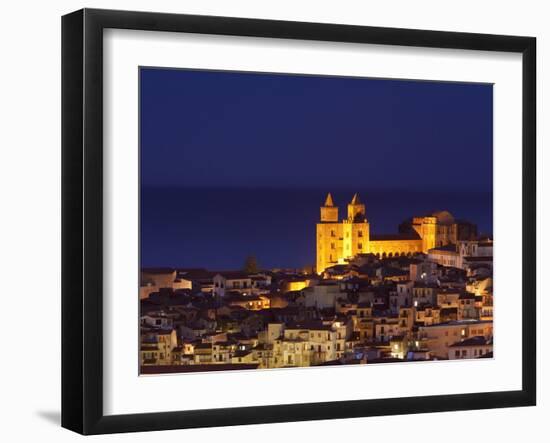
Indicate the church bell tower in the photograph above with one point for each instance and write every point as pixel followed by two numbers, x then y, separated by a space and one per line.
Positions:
pixel 356 229
pixel 329 212
pixel 329 236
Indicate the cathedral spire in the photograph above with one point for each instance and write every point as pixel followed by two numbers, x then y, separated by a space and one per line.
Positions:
pixel 356 209
pixel 329 212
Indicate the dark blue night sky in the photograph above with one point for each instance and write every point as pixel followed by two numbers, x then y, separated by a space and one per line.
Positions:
pixel 238 163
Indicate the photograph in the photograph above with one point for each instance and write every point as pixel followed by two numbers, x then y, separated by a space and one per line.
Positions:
pixel 269 222
pixel 290 221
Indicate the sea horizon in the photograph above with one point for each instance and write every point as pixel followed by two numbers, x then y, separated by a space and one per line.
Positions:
pixel 217 228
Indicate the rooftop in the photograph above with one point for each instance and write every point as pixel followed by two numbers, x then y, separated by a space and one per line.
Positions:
pixel 309 325
pixel 466 322
pixel 446 248
pixel 478 340
pixel 233 275
pixel 400 236
pixel 157 270
pixel 478 259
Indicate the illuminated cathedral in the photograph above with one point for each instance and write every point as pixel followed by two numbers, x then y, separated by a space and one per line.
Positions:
pixel 338 241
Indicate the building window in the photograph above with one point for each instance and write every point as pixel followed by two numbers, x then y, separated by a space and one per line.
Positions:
pixel 360 245
pixel 332 246
pixel 332 233
pixel 360 233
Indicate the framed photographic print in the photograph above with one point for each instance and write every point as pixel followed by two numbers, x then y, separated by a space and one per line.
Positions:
pixel 269 221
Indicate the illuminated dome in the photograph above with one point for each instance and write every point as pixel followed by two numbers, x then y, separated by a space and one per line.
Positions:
pixel 444 217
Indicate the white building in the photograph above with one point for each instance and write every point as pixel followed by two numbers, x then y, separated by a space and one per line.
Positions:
pixel 323 295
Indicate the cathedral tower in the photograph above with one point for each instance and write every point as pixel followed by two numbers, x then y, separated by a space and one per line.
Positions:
pixel 329 212
pixel 341 240
pixel 356 229
pixel 329 236
pixel 356 210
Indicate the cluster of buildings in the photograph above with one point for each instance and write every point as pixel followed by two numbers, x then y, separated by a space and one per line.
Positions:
pixel 425 293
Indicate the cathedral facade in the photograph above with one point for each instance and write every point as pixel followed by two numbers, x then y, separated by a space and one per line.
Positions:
pixel 338 241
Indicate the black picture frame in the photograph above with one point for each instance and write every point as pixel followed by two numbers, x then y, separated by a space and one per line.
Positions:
pixel 82 218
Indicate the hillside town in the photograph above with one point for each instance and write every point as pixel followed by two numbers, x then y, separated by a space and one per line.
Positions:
pixel 425 293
